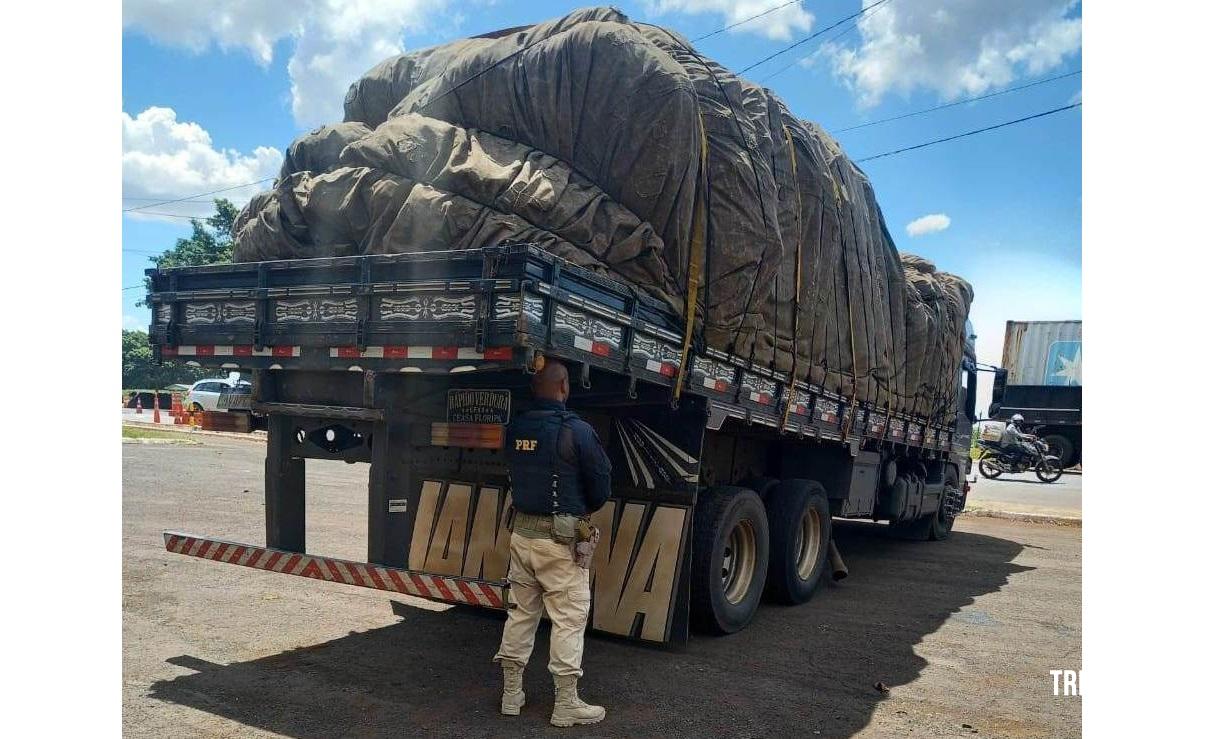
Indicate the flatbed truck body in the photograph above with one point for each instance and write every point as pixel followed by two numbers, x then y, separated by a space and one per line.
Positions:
pixel 414 363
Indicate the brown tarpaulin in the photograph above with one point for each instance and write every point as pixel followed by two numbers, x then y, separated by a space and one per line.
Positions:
pixel 616 145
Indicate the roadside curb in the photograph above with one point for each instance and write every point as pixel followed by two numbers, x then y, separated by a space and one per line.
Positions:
pixel 182 441
pixel 258 436
pixel 1048 518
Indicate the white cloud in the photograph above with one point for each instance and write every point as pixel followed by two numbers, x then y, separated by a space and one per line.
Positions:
pixel 165 159
pixel 335 40
pixel 956 47
pixel 928 224
pixel 778 25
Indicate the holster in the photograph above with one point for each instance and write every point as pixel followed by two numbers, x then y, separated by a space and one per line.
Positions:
pixel 587 537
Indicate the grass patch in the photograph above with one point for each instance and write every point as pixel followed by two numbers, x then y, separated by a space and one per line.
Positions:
pixel 136 432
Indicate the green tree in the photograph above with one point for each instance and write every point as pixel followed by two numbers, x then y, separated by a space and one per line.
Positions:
pixel 210 242
pixel 140 372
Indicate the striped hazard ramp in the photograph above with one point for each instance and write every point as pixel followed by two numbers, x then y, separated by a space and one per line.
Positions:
pixel 361 574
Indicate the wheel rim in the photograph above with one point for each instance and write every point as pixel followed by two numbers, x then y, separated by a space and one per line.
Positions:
pixel 807 542
pixel 739 561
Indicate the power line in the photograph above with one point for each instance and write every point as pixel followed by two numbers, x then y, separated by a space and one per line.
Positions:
pixel 168 215
pixel 746 20
pixel 966 133
pixel 196 195
pixel 151 200
pixel 960 102
pixel 853 26
pixel 821 32
pixel 132 287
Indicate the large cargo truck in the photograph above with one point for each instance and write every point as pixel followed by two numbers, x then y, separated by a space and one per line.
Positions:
pixel 727 475
pixel 1041 378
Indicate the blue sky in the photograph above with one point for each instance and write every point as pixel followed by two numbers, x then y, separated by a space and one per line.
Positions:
pixel 1013 196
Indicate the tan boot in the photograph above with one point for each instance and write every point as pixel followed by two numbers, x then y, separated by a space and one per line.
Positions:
pixel 513 689
pixel 568 709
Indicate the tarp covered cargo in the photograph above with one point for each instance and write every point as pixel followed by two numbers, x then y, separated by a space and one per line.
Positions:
pixel 618 146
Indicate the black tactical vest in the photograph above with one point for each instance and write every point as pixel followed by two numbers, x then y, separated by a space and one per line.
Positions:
pixel 543 481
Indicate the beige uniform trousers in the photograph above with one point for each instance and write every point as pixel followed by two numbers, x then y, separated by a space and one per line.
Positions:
pixel 543 576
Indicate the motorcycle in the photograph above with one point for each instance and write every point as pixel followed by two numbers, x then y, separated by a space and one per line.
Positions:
pixel 996 460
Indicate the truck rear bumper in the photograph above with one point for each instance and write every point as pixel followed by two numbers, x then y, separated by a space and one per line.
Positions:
pixel 360 574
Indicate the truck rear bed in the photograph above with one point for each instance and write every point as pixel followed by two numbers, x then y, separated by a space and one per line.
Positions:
pixel 482 310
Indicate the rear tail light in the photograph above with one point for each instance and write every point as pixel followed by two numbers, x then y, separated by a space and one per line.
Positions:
pixel 469 435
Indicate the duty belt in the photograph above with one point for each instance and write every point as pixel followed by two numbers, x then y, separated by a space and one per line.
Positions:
pixel 532 525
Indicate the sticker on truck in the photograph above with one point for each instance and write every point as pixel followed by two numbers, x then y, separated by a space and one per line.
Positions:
pixel 479 406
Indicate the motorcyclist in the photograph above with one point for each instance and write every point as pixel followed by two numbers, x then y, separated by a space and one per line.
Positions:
pixel 1016 443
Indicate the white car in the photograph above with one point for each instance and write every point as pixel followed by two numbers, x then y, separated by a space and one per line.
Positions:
pixel 204 395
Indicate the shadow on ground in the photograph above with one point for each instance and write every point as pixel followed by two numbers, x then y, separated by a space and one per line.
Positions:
pixel 794 670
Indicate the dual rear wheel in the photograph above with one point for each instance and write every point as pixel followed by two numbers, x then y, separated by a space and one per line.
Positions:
pixel 743 547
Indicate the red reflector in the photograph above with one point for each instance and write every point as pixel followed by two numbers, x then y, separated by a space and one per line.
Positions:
pixel 720 386
pixel 396 352
pixel 473 435
pixel 205 350
pixel 281 351
pixel 599 348
pixel 244 350
pixel 765 399
pixel 168 351
pixel 497 352
pixel 346 352
pixel 443 352
pixel 667 370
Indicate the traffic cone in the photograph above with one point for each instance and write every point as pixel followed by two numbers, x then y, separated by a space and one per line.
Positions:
pixel 139 403
pixel 156 407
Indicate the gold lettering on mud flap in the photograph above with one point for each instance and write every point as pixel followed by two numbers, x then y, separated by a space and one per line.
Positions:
pixel 446 544
pixel 489 539
pixel 420 539
pixel 623 591
pixel 446 555
pixel 625 585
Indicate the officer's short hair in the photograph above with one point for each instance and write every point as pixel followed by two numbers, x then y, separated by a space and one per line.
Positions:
pixel 550 375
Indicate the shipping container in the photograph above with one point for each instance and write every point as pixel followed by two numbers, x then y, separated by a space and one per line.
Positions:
pixel 1041 380
pixel 1043 353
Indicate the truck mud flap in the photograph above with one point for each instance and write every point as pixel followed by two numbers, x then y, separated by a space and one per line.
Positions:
pixel 449 589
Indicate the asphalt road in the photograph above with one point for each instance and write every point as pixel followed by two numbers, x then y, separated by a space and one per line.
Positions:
pixel 1024 493
pixel 962 632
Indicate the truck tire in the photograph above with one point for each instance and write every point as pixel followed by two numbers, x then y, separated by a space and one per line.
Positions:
pixel 942 521
pixel 1062 448
pixel 730 559
pixel 800 527
pixel 762 486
